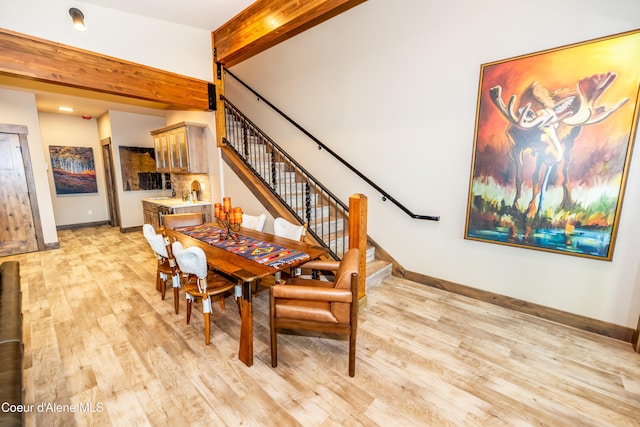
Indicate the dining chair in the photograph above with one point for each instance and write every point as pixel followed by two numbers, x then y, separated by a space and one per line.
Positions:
pixel 254 222
pixel 167 267
pixel 200 283
pixel 288 230
pixel 284 228
pixel 182 219
pixel 318 306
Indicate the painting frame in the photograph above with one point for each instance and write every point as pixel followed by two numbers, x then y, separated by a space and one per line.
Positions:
pixel 73 170
pixel 553 139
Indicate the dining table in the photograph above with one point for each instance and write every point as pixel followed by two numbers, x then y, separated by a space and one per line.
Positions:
pixel 246 256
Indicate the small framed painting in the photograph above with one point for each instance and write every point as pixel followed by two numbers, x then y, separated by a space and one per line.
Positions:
pixel 74 170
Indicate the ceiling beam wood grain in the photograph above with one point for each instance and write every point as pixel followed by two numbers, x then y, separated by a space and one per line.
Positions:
pixel 266 23
pixel 41 60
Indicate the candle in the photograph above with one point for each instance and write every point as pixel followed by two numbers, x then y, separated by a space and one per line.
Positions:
pixel 227 204
pixel 237 215
pixel 223 215
pixel 216 210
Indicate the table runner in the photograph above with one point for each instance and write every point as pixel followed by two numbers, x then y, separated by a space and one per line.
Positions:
pixel 266 253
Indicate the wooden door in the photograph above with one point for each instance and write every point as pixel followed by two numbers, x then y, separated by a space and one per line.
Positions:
pixel 109 173
pixel 18 231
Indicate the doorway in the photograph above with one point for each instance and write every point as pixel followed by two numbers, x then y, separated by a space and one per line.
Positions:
pixel 20 226
pixel 112 197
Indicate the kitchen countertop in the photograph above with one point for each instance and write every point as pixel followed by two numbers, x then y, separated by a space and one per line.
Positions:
pixel 175 202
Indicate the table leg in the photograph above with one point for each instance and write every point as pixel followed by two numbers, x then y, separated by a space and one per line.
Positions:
pixel 246 330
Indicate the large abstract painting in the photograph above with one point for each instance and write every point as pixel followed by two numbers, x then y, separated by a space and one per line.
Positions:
pixel 553 141
pixel 74 170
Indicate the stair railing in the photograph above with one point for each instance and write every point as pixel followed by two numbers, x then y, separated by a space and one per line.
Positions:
pixel 303 195
pixel 321 146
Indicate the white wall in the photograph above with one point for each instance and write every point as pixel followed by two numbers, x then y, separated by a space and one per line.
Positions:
pixel 134 38
pixel 58 129
pixel 131 130
pixel 19 108
pixel 392 87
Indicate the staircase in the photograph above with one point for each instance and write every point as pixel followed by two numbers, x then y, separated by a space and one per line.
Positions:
pixel 304 197
pixel 295 189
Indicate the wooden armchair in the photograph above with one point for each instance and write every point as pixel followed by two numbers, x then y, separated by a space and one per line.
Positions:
pixel 320 306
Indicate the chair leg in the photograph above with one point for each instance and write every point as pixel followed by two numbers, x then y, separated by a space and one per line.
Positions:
pixel 189 304
pixel 352 354
pixel 207 328
pixel 221 301
pixel 158 279
pixel 176 302
pixel 272 328
pixel 161 284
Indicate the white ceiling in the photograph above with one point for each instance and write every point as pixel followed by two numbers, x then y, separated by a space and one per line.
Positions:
pixel 203 14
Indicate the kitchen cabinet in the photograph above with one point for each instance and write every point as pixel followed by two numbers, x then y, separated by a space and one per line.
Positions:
pixel 150 214
pixel 181 148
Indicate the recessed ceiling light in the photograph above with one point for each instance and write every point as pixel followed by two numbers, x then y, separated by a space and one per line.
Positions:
pixel 67 109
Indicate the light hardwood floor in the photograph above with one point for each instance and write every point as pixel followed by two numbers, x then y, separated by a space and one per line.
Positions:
pixel 97 333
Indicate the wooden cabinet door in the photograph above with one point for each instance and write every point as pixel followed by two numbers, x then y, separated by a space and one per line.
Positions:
pixel 178 150
pixel 161 146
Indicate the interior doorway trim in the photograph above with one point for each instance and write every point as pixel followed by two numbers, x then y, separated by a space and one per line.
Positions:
pixel 22 132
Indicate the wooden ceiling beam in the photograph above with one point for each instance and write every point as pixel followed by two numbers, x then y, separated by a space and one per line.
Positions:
pixel 46 61
pixel 266 23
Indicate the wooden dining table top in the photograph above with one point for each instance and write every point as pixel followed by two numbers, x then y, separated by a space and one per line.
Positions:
pixel 243 268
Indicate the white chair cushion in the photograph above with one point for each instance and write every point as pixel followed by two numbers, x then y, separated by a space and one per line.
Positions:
pixel 283 228
pixel 191 260
pixel 254 222
pixel 156 241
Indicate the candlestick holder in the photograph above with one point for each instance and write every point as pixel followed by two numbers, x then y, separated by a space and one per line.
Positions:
pixel 231 232
pixel 228 218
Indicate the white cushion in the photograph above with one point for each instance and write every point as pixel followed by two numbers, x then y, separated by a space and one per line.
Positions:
pixel 156 241
pixel 254 222
pixel 283 228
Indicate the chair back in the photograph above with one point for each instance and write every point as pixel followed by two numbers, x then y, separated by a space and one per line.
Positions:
pixel 156 241
pixel 192 260
pixel 283 228
pixel 182 220
pixel 254 222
